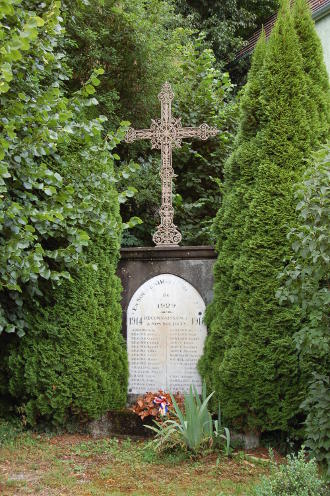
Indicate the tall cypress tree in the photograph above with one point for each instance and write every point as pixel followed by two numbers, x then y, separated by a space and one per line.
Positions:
pixel 261 355
pixel 317 78
pixel 250 357
pixel 229 222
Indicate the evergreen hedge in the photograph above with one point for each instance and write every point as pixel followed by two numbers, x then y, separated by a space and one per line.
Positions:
pixel 250 358
pixel 73 360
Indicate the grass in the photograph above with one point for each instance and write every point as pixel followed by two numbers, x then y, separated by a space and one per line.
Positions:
pixel 78 465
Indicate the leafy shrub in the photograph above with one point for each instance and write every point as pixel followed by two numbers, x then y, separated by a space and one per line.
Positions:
pixel 73 361
pixel 138 43
pixel 306 277
pixel 317 407
pixel 306 284
pixel 297 477
pixel 42 225
pixel 60 231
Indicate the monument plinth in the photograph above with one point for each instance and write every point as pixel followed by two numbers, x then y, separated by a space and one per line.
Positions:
pixel 165 292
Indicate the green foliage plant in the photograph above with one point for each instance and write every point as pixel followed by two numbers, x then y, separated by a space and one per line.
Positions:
pixel 137 43
pixel 306 284
pixel 44 227
pixel 227 23
pixel 200 163
pixel 194 427
pixel 60 231
pixel 250 350
pixel 72 363
pixel 317 408
pixel 297 477
pixel 203 93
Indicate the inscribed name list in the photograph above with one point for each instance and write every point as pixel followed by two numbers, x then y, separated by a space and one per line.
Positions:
pixel 165 335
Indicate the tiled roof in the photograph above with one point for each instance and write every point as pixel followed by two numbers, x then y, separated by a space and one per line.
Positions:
pixel 317 7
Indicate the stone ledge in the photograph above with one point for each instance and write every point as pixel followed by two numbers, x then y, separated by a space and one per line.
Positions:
pixel 127 423
pixel 119 423
pixel 168 253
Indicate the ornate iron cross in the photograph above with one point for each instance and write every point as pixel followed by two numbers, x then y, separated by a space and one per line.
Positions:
pixel 166 134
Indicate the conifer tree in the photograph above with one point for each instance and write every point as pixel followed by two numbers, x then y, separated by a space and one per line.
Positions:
pixel 230 218
pixel 72 363
pixel 250 357
pixel 317 79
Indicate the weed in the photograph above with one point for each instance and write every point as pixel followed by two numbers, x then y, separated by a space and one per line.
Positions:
pixel 9 431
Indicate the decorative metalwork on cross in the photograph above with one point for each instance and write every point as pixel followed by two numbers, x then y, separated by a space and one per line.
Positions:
pixel 166 134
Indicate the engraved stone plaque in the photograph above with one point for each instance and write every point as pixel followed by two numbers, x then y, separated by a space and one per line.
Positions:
pixel 165 335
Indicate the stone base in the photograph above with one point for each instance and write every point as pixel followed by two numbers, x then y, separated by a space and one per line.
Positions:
pixel 127 423
pixel 250 440
pixel 119 423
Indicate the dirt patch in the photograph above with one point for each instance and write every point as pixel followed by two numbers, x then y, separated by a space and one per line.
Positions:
pixel 78 465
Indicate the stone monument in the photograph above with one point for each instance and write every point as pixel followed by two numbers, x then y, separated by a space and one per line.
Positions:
pixel 165 335
pixel 165 288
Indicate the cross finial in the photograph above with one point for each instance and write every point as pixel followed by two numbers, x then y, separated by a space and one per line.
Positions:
pixel 165 134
